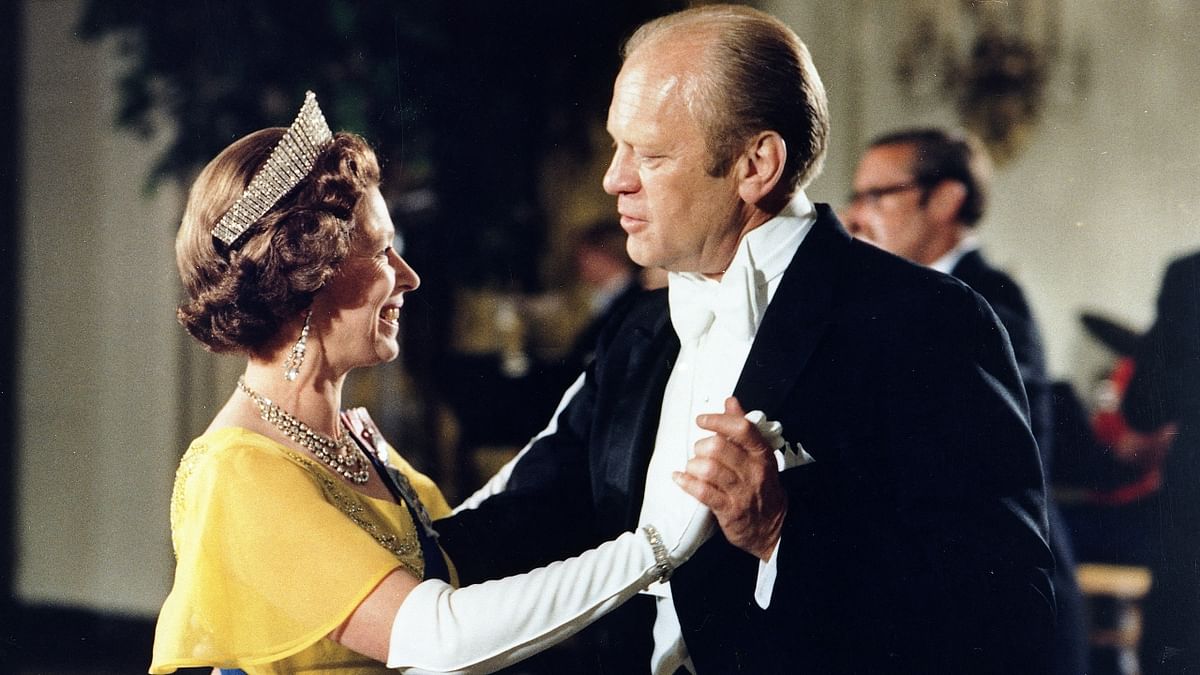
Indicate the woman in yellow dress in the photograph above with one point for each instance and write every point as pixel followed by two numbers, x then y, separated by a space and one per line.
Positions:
pixel 303 541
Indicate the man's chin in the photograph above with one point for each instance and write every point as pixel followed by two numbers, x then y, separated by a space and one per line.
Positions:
pixel 642 255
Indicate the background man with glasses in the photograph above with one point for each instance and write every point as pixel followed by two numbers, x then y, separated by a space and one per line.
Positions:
pixel 919 193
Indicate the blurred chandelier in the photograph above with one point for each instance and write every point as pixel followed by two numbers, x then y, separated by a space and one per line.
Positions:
pixel 992 58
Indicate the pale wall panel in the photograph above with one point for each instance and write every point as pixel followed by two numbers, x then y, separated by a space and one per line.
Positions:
pixel 98 347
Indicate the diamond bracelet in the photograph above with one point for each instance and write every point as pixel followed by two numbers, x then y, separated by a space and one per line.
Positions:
pixel 661 562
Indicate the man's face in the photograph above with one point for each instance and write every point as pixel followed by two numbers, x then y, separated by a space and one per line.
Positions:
pixel 677 216
pixel 888 209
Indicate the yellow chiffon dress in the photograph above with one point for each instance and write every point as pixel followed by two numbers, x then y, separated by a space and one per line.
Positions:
pixel 273 552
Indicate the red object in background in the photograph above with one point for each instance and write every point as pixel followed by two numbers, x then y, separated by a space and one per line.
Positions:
pixel 1143 450
pixel 1108 423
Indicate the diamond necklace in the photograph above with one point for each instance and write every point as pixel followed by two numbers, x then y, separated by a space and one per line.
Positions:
pixel 342 455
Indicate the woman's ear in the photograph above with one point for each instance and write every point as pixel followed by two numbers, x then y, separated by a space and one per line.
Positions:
pixel 760 168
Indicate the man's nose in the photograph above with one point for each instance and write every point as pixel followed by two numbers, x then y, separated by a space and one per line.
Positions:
pixel 621 177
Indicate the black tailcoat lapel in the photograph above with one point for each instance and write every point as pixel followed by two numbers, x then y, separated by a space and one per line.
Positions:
pixel 791 329
pixel 796 318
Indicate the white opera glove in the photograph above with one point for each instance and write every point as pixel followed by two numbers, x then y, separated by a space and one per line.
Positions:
pixel 485 627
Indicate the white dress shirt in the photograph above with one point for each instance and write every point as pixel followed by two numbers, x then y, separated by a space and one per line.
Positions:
pixel 950 258
pixel 716 322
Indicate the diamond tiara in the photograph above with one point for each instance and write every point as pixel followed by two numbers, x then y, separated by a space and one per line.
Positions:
pixel 290 161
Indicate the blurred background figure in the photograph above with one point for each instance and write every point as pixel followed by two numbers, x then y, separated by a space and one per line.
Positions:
pixel 1106 475
pixel 1107 478
pixel 504 388
pixel 611 280
pixel 919 193
pixel 1165 390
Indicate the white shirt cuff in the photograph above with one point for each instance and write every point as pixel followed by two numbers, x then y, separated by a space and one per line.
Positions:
pixel 766 578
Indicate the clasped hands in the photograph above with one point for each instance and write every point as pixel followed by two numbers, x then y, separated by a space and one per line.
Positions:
pixel 734 473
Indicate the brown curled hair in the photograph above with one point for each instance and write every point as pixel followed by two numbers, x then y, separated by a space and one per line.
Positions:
pixel 238 297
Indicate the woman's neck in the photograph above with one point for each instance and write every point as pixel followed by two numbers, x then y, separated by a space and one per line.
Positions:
pixel 314 398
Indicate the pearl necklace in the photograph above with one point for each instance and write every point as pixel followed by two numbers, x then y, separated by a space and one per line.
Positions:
pixel 342 455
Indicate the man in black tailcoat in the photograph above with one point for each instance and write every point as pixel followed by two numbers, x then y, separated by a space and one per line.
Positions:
pixel 886 511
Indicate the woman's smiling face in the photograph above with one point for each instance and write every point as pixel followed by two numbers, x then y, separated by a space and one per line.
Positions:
pixel 364 297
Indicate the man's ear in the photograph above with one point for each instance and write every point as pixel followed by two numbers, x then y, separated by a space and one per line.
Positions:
pixel 945 199
pixel 760 168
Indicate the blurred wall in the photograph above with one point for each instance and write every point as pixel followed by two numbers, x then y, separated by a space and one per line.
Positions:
pixel 110 389
pixel 98 354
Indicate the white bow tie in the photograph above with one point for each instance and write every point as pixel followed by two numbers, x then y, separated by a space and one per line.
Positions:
pixel 736 304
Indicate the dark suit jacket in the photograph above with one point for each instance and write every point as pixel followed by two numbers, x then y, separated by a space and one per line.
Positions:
pixel 915 543
pixel 583 347
pixel 1166 388
pixel 1006 298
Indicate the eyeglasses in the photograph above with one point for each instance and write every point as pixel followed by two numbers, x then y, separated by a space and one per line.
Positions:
pixel 871 196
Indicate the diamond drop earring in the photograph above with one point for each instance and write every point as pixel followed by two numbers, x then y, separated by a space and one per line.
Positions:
pixel 295 359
